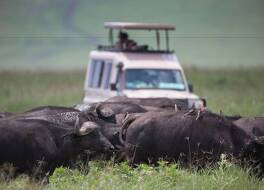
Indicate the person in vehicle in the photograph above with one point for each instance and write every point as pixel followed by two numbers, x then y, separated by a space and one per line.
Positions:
pixel 125 43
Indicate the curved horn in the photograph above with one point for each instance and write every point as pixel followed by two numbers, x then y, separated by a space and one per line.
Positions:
pixel 125 124
pixel 96 109
pixel 86 128
pixel 126 115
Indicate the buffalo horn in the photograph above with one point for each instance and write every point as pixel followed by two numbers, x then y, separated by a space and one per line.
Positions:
pixel 86 128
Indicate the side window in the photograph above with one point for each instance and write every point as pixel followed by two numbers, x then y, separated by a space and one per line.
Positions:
pixel 106 75
pixel 96 74
pixel 101 74
pixel 91 73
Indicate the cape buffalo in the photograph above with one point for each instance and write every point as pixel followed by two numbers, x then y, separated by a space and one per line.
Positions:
pixel 30 143
pixel 199 138
pixel 66 117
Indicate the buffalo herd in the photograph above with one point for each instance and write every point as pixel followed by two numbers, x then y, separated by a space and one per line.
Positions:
pixel 135 130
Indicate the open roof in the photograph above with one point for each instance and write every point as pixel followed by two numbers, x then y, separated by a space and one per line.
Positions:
pixel 138 26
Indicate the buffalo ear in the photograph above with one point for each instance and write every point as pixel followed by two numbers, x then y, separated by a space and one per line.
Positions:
pixel 86 128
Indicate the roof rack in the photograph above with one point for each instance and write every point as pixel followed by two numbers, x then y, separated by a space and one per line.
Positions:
pixel 140 26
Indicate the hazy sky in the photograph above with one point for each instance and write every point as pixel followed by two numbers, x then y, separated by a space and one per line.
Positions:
pixel 78 16
pixel 61 32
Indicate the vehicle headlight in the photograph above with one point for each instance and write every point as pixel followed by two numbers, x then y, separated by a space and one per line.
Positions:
pixel 196 103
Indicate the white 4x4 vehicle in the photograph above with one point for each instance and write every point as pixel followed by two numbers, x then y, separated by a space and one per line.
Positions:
pixel 127 69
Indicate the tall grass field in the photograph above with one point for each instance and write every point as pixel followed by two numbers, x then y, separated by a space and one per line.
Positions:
pixel 235 92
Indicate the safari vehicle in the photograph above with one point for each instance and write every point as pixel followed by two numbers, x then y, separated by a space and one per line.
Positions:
pixel 127 68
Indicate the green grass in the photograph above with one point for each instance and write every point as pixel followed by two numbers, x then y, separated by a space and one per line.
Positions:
pixel 24 90
pixel 107 175
pixel 165 176
pixel 237 92
pixel 233 91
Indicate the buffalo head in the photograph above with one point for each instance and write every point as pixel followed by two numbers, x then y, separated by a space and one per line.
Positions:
pixel 91 138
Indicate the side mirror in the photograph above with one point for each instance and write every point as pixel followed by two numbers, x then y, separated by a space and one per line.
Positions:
pixel 120 65
pixel 113 86
pixel 190 86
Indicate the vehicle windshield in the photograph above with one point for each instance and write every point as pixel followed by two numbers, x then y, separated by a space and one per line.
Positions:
pixel 154 79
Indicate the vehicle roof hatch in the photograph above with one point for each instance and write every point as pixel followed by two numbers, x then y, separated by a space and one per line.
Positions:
pixel 138 26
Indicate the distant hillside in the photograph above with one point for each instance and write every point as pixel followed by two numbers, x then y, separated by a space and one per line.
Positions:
pixel 58 34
